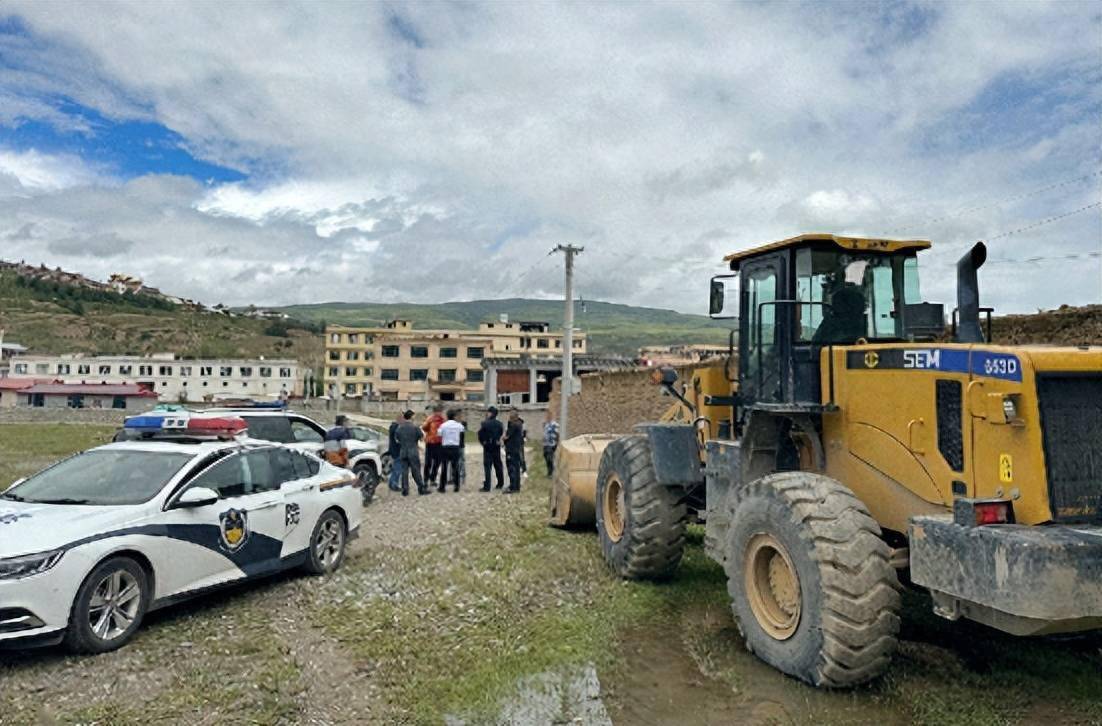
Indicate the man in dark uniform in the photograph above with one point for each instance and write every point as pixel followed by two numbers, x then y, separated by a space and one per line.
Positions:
pixel 409 435
pixel 394 450
pixel 489 435
pixel 514 451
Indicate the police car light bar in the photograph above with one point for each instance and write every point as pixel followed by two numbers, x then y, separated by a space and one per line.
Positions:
pixel 155 425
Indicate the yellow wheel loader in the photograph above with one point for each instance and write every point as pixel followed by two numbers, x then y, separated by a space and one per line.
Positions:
pixel 854 449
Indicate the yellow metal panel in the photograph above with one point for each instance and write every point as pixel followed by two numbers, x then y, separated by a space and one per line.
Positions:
pixel 867 244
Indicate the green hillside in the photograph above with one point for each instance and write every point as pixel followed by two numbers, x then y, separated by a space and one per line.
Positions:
pixel 612 328
pixel 50 317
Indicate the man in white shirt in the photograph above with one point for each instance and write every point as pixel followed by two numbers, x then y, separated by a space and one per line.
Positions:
pixel 451 436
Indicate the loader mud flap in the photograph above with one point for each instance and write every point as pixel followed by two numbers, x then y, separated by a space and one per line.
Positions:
pixel 675 452
pixel 1025 580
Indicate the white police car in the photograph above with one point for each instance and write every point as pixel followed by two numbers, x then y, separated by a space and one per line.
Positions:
pixel 92 543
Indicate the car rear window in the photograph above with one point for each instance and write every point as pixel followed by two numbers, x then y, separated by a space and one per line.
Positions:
pixel 270 428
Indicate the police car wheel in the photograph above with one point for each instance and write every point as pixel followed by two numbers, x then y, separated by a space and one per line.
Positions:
pixel 109 607
pixel 327 544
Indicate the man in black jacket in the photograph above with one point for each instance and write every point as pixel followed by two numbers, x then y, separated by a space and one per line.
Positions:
pixel 394 450
pixel 409 435
pixel 514 451
pixel 489 435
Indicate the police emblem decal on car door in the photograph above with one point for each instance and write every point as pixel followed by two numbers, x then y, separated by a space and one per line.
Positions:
pixel 233 529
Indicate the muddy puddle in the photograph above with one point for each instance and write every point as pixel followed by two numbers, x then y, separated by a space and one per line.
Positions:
pixel 695 671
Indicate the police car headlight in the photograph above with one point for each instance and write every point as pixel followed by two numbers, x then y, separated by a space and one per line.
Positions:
pixel 15 568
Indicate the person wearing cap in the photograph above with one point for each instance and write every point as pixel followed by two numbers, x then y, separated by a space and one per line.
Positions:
pixel 451 433
pixel 409 436
pixel 336 451
pixel 489 435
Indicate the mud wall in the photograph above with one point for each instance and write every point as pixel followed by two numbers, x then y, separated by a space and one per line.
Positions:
pixel 614 402
pixel 1064 326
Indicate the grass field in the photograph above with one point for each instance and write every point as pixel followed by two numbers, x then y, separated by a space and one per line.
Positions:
pixel 451 604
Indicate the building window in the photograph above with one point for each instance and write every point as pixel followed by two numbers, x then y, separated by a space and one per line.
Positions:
pixel 20 367
pixel 351 372
pixel 265 372
pixel 42 368
pixel 474 352
pixel 558 343
pixel 185 371
pixel 475 375
pixel 284 372
pixel 390 374
pixel 390 351
pixel 419 374
pixel 246 371
pixel 84 369
pixel 352 355
pixel 577 344
pixel 105 370
pixel 165 371
pixel 145 370
pixel 125 370
pixel 449 352
pixel 118 402
pixel 225 371
pixel 353 338
pixel 476 397
pixel 334 372
pixel 206 370
pixel 369 372
pixel 334 355
pixel 350 389
pixel 335 338
pixel 76 400
pixel 543 343
pixel 447 375
pixel 418 351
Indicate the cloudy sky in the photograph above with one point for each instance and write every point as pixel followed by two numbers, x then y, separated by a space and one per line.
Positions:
pixel 306 152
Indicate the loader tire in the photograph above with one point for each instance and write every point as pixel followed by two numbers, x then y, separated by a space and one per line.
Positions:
pixel 640 523
pixel 811 585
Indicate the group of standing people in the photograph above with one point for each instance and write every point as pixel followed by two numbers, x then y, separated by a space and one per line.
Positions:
pixel 444 435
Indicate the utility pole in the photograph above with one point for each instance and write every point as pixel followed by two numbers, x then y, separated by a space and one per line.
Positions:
pixel 567 380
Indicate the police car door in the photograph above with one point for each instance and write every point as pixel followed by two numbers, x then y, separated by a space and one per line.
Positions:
pixel 300 474
pixel 244 527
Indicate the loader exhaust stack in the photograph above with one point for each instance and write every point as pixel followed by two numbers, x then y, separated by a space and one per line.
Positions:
pixel 968 294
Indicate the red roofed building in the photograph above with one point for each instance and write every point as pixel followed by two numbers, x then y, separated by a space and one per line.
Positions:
pixel 122 396
pixel 11 387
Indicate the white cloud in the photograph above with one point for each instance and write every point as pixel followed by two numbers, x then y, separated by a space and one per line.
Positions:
pixel 35 172
pixel 441 154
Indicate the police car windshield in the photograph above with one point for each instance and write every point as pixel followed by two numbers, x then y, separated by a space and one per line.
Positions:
pixel 102 477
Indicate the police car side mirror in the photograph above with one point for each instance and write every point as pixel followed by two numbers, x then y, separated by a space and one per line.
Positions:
pixel 196 497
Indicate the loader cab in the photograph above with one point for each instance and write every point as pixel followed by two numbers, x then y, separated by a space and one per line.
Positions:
pixel 799 296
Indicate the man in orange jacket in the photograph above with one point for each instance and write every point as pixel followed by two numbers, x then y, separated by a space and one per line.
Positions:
pixel 433 444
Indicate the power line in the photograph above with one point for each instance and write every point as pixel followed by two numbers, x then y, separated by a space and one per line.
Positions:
pixel 521 276
pixel 1004 200
pixel 1043 222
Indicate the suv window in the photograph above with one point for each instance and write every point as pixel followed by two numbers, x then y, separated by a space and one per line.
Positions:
pixel 303 431
pixel 269 428
pixel 240 475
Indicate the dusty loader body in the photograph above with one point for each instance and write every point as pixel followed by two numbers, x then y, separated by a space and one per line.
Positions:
pixel 850 446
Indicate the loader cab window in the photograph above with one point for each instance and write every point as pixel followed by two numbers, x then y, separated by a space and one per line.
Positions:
pixel 849 295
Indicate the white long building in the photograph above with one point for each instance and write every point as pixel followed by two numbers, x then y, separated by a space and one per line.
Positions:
pixel 171 378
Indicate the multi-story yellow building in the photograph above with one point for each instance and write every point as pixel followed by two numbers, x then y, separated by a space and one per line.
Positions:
pixel 400 363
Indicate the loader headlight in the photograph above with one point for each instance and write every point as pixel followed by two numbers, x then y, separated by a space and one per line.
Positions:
pixel 15 568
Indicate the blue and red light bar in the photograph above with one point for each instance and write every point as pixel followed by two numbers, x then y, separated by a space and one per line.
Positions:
pixel 173 424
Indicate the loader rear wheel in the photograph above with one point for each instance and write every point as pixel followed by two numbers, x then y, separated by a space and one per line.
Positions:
pixel 641 523
pixel 811 584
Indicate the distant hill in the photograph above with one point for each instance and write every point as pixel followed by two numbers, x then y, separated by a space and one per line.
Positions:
pixel 612 328
pixel 63 313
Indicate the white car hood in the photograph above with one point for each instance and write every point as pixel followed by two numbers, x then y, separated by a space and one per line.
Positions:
pixel 28 528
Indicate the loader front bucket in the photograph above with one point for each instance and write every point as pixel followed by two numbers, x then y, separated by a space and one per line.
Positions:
pixel 574 489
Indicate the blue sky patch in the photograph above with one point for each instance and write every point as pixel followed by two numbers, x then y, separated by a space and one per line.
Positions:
pixel 127 149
